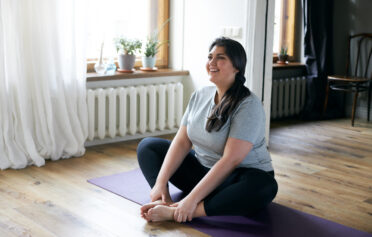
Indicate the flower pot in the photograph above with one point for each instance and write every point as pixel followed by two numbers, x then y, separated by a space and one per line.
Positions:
pixel 126 61
pixel 283 57
pixel 148 62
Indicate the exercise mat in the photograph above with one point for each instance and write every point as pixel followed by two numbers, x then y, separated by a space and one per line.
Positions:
pixel 276 220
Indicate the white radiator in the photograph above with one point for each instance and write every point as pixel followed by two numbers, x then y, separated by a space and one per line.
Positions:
pixel 124 113
pixel 288 97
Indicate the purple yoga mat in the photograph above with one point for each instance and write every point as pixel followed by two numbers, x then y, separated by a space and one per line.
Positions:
pixel 276 220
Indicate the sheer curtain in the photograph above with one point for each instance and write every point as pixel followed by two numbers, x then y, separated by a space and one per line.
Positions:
pixel 43 113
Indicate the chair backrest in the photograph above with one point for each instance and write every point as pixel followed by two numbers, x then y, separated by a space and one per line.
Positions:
pixel 359 57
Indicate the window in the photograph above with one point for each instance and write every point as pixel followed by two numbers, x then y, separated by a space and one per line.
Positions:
pixel 131 19
pixel 284 27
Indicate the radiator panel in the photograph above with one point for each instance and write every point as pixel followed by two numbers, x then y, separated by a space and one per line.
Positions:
pixel 288 97
pixel 134 110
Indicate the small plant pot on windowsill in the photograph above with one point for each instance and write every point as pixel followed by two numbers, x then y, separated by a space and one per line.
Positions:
pixel 282 59
pixel 148 63
pixel 126 62
pixel 151 48
pixel 126 49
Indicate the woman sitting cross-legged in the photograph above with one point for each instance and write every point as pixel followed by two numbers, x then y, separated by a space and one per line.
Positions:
pixel 229 172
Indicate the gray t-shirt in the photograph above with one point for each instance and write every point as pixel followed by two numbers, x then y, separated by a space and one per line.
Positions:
pixel 247 122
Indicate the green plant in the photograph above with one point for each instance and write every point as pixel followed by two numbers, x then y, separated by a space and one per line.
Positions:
pixel 127 46
pixel 283 50
pixel 152 43
pixel 152 47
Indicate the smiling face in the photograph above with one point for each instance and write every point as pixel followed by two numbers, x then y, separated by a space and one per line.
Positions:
pixel 220 68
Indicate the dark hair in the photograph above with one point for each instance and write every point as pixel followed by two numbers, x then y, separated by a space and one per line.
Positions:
pixel 237 92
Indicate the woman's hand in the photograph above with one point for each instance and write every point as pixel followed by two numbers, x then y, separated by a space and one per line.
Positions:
pixel 160 192
pixel 185 209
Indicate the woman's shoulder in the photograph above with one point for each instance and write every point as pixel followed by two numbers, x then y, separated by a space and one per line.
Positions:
pixel 202 95
pixel 204 92
pixel 252 99
pixel 250 103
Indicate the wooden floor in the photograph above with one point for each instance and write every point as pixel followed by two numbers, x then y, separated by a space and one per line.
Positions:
pixel 323 168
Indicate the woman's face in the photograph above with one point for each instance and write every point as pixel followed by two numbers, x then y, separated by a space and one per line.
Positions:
pixel 220 68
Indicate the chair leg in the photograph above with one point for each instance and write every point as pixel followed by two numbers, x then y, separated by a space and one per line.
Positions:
pixel 326 99
pixel 369 99
pixel 354 108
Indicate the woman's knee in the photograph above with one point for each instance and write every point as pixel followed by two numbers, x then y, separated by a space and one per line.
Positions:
pixel 151 144
pixel 264 186
pixel 274 189
pixel 268 191
pixel 144 143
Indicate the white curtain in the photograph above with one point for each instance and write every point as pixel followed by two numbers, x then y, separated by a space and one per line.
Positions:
pixel 43 113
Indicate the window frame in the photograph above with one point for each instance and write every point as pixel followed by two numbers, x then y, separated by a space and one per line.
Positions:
pixel 162 56
pixel 287 31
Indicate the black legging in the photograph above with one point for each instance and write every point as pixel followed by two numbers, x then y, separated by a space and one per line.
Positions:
pixel 244 192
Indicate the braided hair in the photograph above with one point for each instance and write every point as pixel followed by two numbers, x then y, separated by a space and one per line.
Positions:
pixel 237 92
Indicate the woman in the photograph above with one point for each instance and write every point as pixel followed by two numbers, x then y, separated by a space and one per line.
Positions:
pixel 230 171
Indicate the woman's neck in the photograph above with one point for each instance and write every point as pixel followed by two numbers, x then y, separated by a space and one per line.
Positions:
pixel 221 89
pixel 219 94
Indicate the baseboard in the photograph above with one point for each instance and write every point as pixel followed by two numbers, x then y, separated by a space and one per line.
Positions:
pixel 129 137
pixel 360 112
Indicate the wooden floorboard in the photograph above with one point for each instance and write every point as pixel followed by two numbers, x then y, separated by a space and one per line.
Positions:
pixel 323 168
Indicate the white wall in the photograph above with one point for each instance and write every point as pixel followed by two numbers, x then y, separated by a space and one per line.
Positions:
pixel 203 23
pixel 195 24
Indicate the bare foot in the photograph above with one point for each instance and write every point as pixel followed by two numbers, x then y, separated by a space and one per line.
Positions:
pixel 160 213
pixel 147 206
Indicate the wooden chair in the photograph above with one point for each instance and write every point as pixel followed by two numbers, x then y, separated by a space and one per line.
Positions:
pixel 354 81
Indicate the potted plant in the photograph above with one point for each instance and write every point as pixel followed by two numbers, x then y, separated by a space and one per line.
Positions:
pixel 151 48
pixel 126 49
pixel 283 56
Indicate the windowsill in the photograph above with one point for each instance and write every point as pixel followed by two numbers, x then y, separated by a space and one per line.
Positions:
pixel 137 74
pixel 288 65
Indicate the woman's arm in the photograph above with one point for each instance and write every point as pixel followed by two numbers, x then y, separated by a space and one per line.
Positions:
pixel 234 153
pixel 177 152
